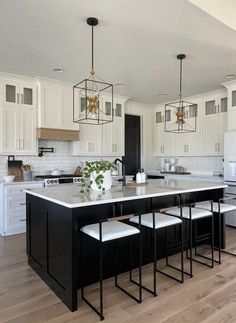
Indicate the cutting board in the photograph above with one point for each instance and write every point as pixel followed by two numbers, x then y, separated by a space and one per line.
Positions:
pixel 14 168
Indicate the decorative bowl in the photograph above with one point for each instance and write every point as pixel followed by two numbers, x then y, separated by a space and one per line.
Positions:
pixel 9 178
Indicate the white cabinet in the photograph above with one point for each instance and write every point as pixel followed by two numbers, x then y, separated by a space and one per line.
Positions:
pixel 106 139
pixel 113 133
pixel 18 92
pixel 231 114
pixel 163 141
pixel 214 124
pixel 18 118
pixel 90 143
pixel 55 103
pixel 13 207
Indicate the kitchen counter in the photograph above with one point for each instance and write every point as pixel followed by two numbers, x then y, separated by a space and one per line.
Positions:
pixel 204 177
pixel 70 196
pixel 18 182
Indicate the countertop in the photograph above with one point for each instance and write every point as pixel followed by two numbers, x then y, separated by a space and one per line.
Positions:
pixel 19 182
pixel 202 176
pixel 69 195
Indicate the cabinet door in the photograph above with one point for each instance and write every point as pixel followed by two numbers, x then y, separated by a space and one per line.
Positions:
pixel 222 125
pixel 163 142
pixel 10 129
pixel 27 95
pixel 210 135
pixel 27 137
pixel 66 120
pixel 181 141
pixel 11 92
pixel 50 107
pixel 90 143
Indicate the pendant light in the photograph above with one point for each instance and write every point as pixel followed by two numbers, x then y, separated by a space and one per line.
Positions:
pixel 87 106
pixel 180 116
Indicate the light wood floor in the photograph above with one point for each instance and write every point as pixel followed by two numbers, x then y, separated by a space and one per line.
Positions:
pixel 208 297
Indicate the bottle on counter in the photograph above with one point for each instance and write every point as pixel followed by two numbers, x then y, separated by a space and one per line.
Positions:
pixel 143 176
pixel 138 177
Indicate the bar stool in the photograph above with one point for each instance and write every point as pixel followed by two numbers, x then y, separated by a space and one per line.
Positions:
pixel 191 215
pixel 156 221
pixel 106 231
pixel 220 208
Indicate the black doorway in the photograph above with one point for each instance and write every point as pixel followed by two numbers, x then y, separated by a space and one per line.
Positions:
pixel 132 158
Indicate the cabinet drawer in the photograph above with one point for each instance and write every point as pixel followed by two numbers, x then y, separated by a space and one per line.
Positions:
pixel 15 204
pixel 12 190
pixel 18 219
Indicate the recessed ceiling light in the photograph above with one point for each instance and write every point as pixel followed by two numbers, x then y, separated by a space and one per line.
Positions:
pixel 119 84
pixel 230 76
pixel 58 70
pixel 162 94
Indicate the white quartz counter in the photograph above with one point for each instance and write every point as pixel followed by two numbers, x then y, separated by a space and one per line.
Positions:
pixel 69 195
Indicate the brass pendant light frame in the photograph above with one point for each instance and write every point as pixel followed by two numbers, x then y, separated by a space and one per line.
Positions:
pixel 180 109
pixel 88 92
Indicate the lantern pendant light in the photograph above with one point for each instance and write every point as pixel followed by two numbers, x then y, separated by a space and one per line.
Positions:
pixel 87 107
pixel 183 112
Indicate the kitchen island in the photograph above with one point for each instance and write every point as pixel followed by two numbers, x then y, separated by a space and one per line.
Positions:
pixel 56 214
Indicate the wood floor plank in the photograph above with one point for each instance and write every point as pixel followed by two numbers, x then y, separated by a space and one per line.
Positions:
pixel 208 297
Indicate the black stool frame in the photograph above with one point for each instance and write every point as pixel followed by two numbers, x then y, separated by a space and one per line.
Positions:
pixel 139 299
pixel 154 235
pixel 228 197
pixel 189 240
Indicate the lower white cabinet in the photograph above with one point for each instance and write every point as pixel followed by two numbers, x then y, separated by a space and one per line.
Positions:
pixel 13 207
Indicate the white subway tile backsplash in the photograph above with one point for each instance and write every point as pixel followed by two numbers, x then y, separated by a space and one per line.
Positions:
pixel 60 158
pixel 195 164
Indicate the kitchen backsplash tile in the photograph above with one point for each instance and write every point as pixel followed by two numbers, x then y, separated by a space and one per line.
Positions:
pixel 60 158
pixel 195 164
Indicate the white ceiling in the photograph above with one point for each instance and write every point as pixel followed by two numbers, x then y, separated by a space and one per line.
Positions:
pixel 136 43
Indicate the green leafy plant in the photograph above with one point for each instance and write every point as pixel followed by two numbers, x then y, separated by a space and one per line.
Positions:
pixel 95 169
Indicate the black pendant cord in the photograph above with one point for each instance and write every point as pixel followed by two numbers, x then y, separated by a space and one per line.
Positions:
pixel 92 51
pixel 180 78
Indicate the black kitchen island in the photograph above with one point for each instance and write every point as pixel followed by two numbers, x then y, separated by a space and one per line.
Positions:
pixel 56 214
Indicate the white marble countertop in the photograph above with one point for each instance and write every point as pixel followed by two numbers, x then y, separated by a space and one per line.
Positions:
pixel 69 195
pixel 19 182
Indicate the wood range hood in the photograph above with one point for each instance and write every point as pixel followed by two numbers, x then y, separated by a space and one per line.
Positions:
pixel 57 134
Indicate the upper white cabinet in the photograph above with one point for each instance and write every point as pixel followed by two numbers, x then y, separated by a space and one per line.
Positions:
pixel 231 114
pixel 106 139
pixel 214 121
pixel 17 92
pixel 55 105
pixel 163 141
pixel 113 133
pixel 211 119
pixel 18 117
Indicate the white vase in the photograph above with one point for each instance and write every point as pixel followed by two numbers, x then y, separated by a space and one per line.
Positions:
pixel 107 180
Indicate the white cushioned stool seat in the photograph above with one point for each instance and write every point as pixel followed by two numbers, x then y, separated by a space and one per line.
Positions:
pixel 223 207
pixel 110 230
pixel 196 213
pixel 161 220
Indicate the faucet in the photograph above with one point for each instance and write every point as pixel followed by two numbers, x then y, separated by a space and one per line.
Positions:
pixel 123 169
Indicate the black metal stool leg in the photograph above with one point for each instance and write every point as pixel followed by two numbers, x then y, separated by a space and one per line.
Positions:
pixel 101 279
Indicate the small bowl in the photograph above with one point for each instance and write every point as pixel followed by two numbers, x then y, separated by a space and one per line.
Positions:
pixel 9 178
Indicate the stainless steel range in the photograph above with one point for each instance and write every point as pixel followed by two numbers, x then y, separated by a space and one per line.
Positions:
pixel 60 179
